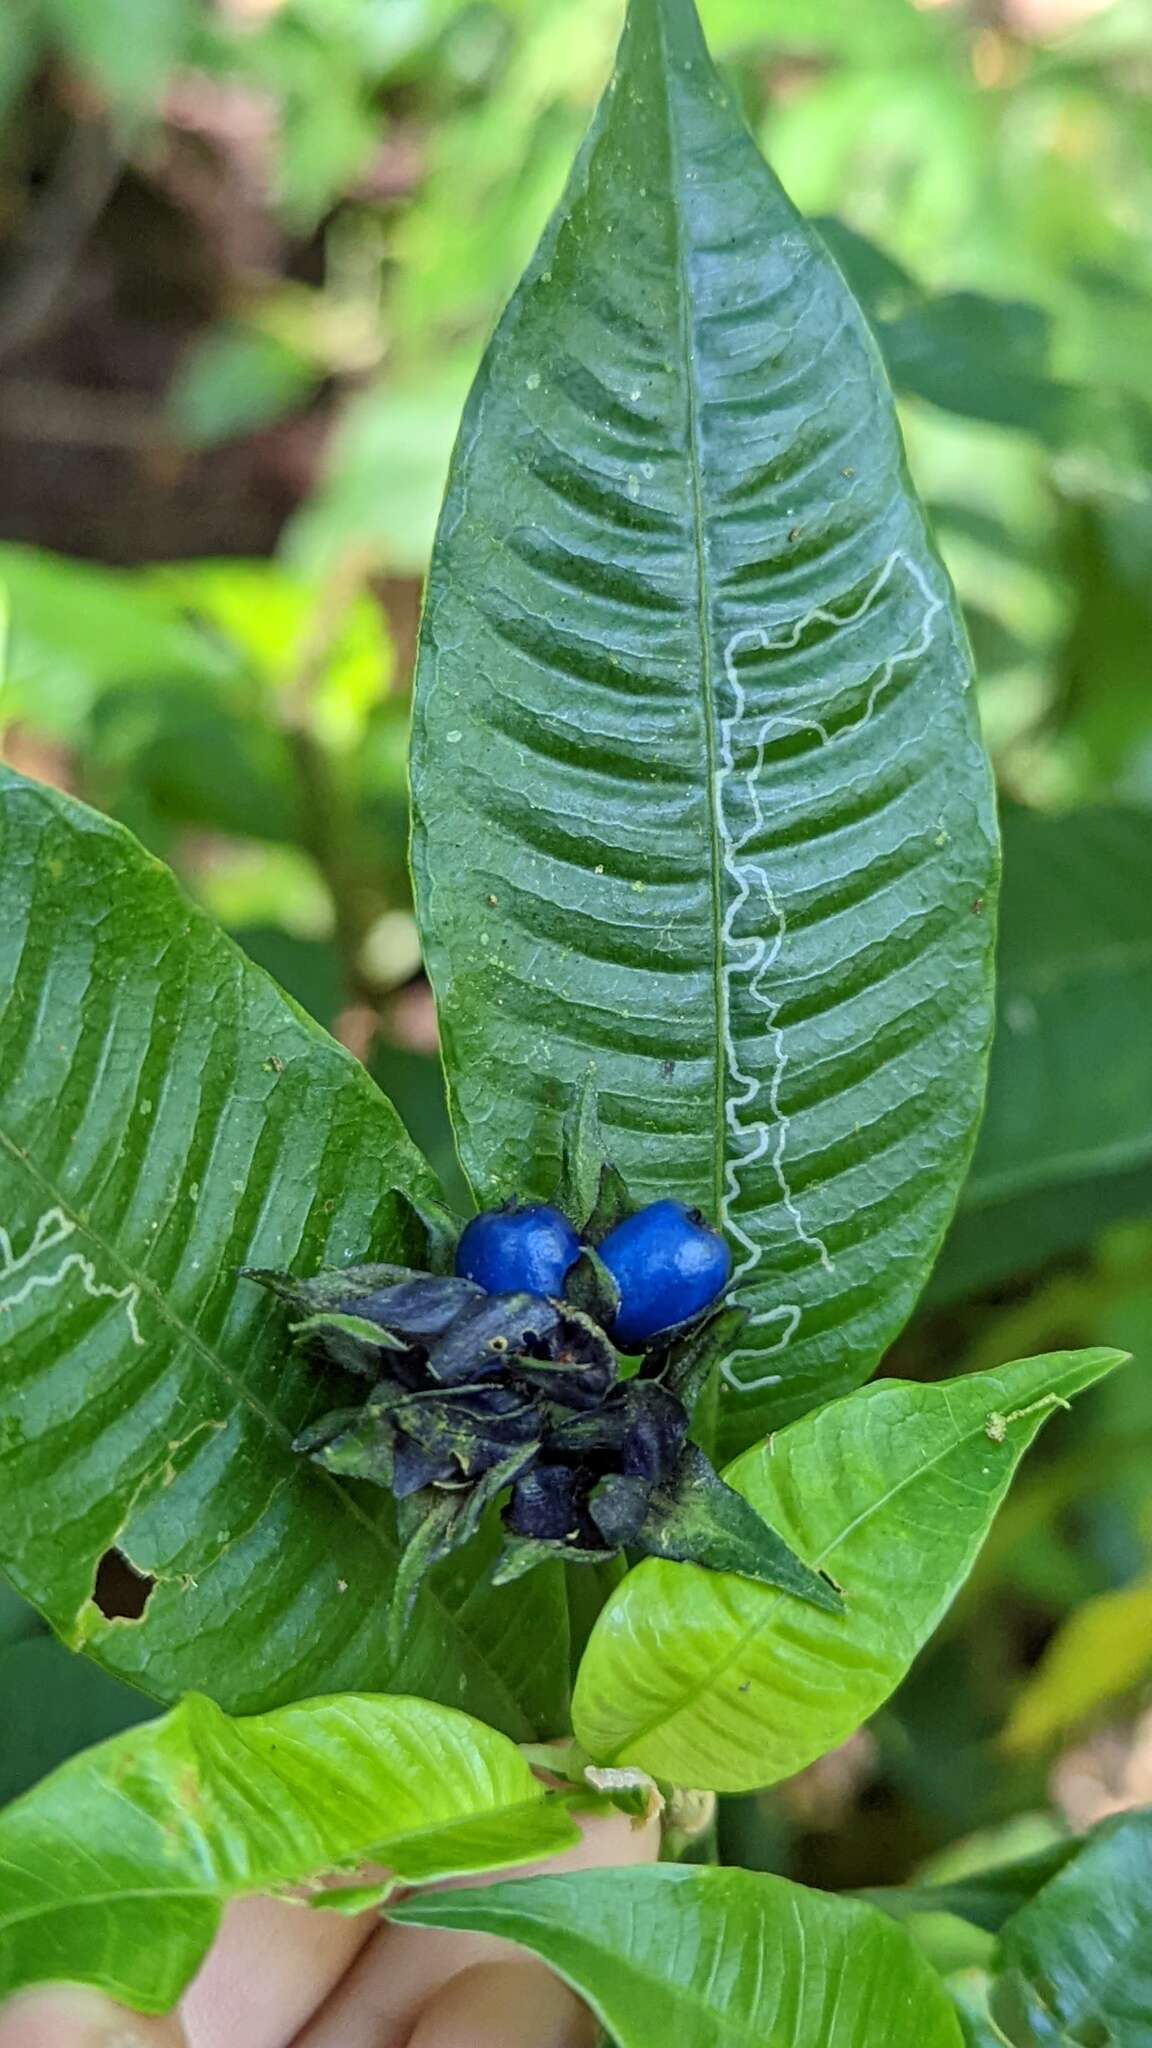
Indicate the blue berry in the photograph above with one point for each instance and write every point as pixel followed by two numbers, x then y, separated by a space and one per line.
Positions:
pixel 668 1266
pixel 518 1251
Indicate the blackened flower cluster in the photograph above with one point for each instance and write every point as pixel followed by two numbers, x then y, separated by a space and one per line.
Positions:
pixel 552 1375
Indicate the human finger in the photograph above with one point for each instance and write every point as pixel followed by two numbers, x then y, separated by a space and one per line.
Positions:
pixel 516 2004
pixel 402 1969
pixel 61 2016
pixel 271 1967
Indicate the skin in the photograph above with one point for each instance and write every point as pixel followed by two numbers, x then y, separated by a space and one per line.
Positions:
pixel 282 1977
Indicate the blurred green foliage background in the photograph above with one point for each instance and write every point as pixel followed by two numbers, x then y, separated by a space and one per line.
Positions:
pixel 249 253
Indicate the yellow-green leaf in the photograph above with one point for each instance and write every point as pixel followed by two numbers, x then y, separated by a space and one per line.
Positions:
pixel 115 1870
pixel 712 1681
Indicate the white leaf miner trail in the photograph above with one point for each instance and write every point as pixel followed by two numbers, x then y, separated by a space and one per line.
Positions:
pixel 765 1134
pixel 54 1229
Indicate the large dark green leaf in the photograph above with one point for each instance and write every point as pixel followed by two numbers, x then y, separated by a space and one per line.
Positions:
pixel 709 1680
pixel 715 1958
pixel 1066 1142
pixel 1083 1946
pixel 180 1817
pixel 166 1116
pixel 701 807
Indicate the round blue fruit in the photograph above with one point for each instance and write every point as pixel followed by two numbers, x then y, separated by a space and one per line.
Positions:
pixel 668 1265
pixel 518 1251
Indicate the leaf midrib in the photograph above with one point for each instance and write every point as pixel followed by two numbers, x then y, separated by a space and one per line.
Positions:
pixel 115 1895
pixel 644 1977
pixel 702 565
pixel 244 1395
pixel 697 1693
pixel 219 1894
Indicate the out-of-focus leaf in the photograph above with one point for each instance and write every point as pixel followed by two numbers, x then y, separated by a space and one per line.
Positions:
pixel 175 1819
pixel 181 757
pixel 1104 664
pixel 76 630
pixel 1066 1142
pixel 1082 1948
pixel 1100 1653
pixel 711 1681
pixel 267 617
pixel 52 1704
pixel 988 1898
pixel 384 477
pixel 414 1084
pixel 310 972
pixel 20 46
pixel 717 1958
pixel 235 380
pixel 882 285
pixel 17 1619
pixel 128 47
pixel 994 645
pixel 982 358
pixel 246 882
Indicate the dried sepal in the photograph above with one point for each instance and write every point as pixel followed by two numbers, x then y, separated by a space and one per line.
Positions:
pixel 697 1519
pixel 589 1286
pixel 685 1362
pixel 351 1342
pixel 523 1554
pixel 477 1399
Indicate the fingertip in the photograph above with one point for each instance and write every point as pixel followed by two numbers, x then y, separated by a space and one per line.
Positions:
pixel 610 1841
pixel 505 2005
pixel 68 2016
pixel 272 1966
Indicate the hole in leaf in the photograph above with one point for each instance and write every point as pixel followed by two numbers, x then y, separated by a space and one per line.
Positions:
pixel 121 1592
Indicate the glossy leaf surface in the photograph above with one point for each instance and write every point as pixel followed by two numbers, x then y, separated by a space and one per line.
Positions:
pixel 166 1116
pixel 710 1681
pixel 718 1958
pixel 700 804
pixel 177 1818
pixel 1083 1947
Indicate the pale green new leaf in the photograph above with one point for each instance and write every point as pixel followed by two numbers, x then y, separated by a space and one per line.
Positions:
pixel 715 1958
pixel 711 1681
pixel 177 1818
pixel 700 804
pixel 166 1117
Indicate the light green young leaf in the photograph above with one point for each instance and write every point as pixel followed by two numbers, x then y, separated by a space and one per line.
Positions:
pixel 1082 1948
pixel 167 1116
pixel 700 802
pixel 715 1958
pixel 712 1681
pixel 177 1818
